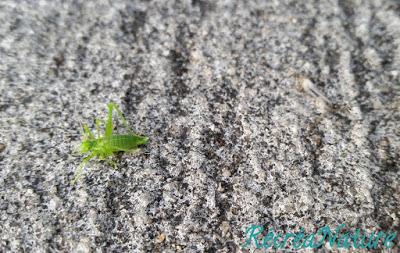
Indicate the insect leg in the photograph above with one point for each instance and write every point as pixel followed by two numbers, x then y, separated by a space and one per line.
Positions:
pixel 109 124
pixel 121 115
pixel 98 124
pixel 79 171
pixel 112 163
pixel 87 131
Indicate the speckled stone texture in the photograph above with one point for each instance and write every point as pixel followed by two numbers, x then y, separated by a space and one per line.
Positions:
pixel 278 113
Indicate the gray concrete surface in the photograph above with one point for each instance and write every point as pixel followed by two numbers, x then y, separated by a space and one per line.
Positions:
pixel 278 113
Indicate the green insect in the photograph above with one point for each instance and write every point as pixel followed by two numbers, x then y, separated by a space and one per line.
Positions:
pixel 105 147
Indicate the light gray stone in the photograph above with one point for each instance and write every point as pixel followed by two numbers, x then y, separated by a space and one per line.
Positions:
pixel 235 138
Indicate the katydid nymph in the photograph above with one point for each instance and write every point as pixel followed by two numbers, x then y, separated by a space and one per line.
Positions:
pixel 106 146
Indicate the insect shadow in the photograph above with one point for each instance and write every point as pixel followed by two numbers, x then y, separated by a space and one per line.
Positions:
pixel 105 147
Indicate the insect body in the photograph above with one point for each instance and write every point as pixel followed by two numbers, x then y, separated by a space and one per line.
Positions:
pixel 105 147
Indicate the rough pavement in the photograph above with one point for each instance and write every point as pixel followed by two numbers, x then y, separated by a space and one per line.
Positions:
pixel 278 113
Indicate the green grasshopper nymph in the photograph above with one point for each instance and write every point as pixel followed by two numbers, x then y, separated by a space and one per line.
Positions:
pixel 105 147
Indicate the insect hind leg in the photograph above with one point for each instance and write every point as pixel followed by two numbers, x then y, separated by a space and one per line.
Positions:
pixel 109 126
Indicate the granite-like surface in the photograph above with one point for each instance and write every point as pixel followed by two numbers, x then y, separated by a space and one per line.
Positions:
pixel 259 112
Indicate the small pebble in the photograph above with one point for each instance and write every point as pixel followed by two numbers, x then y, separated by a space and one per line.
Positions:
pixel 2 147
pixel 161 238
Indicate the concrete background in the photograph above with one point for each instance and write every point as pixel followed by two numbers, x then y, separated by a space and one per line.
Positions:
pixel 277 113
